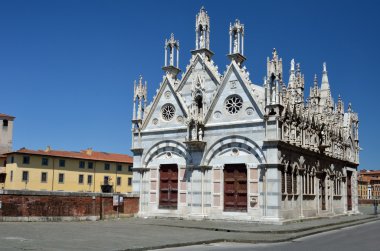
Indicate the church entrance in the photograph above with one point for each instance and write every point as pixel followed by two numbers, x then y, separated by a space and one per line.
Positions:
pixel 235 188
pixel 168 186
pixel 349 192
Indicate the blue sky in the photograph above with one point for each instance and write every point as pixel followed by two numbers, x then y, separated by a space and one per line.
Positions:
pixel 67 67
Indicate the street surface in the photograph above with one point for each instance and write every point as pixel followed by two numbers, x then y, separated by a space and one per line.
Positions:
pixel 363 237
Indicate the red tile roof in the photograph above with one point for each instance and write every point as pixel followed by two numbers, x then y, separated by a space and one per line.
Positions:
pixel 2 115
pixel 83 154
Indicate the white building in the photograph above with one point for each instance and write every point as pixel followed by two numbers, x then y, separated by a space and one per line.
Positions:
pixel 218 146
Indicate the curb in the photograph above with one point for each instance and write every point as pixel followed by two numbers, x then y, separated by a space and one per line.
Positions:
pixel 267 231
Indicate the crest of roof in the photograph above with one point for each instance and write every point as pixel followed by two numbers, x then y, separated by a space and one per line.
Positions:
pixel 87 154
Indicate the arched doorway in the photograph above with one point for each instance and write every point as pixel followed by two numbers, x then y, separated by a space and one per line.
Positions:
pixel 168 197
pixel 235 188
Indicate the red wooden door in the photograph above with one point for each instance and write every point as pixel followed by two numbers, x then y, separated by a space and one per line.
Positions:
pixel 235 188
pixel 349 193
pixel 168 186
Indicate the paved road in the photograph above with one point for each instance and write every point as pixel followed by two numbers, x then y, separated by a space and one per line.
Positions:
pixel 364 238
pixel 144 234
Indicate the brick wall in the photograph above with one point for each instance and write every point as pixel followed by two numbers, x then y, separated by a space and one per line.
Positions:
pixel 367 201
pixel 56 206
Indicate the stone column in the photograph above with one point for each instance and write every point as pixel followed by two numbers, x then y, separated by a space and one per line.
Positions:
pixel 230 43
pixel 217 178
pixel 242 45
pixel 177 57
pixel 166 56
pixel 182 189
pixel 196 39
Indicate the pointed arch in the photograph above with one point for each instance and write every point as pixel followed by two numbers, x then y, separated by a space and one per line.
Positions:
pixel 166 146
pixel 234 141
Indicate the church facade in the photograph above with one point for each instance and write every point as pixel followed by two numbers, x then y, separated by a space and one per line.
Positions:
pixel 217 146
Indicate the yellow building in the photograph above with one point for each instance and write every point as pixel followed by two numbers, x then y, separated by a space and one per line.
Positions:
pixel 84 171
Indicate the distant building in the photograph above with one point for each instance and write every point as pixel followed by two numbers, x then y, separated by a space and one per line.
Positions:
pixel 53 170
pixel 369 184
pixel 219 146
pixel 6 136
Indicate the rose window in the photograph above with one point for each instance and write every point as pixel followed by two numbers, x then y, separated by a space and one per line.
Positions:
pixel 234 104
pixel 168 111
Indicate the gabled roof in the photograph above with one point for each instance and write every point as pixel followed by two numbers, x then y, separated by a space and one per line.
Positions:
pixel 83 154
pixel 233 67
pixel 166 82
pixel 197 58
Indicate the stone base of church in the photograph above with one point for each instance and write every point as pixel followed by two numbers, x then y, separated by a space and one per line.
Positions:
pixel 286 217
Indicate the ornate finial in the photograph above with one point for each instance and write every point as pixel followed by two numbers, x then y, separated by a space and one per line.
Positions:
pixel 140 93
pixel 202 30
pixel 349 109
pixel 274 53
pixel 298 67
pixel 324 67
pixel 237 41
pixel 292 64
pixel 315 80
pixel 171 53
pixel 274 66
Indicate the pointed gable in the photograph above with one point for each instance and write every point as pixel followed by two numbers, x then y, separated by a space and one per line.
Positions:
pixel 234 100
pixel 167 109
pixel 199 68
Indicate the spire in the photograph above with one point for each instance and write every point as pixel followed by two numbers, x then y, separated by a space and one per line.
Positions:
pixel 300 79
pixel 274 78
pixel 349 109
pixel 140 93
pixel 329 102
pixel 325 80
pixel 340 106
pixel 274 66
pixel 202 33
pixel 202 29
pixel 292 75
pixel 325 88
pixel 171 52
pixel 314 95
pixel 315 81
pixel 237 42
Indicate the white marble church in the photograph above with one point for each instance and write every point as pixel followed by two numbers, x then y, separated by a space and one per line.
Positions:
pixel 217 146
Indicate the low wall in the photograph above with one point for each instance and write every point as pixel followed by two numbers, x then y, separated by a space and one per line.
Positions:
pixel 25 205
pixel 367 201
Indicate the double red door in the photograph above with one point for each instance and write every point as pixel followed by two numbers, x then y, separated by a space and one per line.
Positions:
pixel 168 186
pixel 235 188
